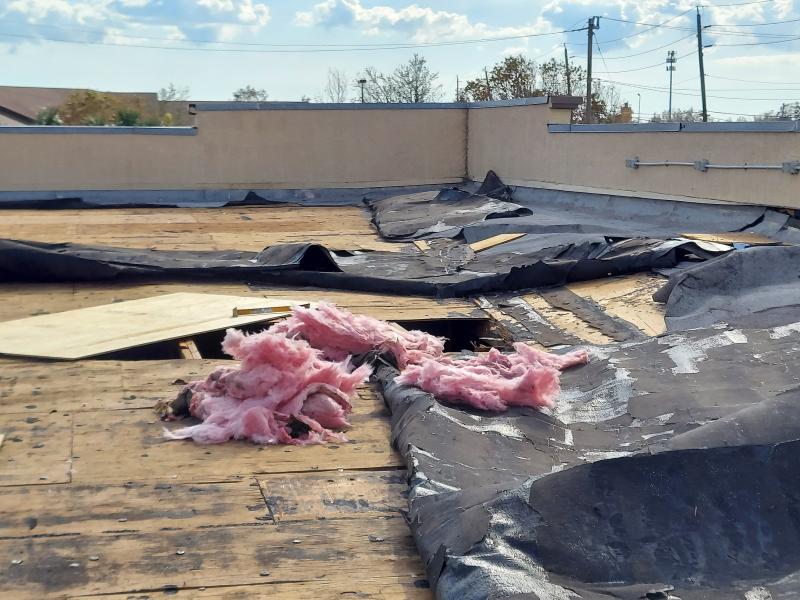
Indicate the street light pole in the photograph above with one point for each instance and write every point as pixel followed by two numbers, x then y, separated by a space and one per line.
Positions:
pixel 362 83
pixel 639 111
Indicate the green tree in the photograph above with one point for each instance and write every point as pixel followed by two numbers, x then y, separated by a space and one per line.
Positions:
pixel 512 77
pixel 48 116
pixel 250 94
pixel 127 117
pixel 89 107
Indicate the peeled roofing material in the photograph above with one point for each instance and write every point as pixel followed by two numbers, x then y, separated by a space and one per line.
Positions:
pixel 754 287
pixel 295 380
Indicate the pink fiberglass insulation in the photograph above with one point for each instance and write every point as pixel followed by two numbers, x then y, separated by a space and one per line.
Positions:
pixel 283 386
pixel 339 333
pixel 494 381
pixel 295 379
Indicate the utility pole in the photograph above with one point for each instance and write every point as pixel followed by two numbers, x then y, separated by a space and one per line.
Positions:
pixel 671 60
pixel 458 98
pixel 702 70
pixel 488 87
pixel 594 23
pixel 566 69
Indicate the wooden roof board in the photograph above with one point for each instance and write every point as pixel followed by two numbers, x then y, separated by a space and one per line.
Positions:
pixel 97 330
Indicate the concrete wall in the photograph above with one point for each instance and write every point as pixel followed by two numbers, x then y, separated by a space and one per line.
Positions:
pixel 295 147
pixel 518 144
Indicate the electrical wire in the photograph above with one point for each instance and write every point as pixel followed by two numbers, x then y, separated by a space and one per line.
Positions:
pixel 672 43
pixel 299 48
pixel 658 64
pixel 677 93
pixel 752 80
pixel 793 39
pixel 739 4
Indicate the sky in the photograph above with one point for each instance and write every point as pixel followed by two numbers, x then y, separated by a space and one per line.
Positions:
pixel 287 47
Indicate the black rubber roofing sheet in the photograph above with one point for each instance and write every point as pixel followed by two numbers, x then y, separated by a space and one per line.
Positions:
pixel 670 468
pixel 754 287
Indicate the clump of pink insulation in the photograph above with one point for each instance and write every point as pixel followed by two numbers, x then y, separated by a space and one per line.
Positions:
pixel 295 380
pixel 283 385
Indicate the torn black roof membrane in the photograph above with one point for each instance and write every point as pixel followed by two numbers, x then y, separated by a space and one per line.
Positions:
pixel 669 469
pixel 453 270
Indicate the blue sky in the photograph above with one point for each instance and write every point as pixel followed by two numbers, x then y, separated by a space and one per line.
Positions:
pixel 216 46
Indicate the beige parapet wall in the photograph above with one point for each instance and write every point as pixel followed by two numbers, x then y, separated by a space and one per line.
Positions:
pixel 246 149
pixel 515 142
pixel 307 146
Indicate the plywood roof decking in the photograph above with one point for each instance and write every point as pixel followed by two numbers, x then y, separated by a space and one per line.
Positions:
pixel 87 479
pixel 235 228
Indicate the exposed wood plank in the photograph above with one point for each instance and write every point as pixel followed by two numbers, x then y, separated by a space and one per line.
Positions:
pixel 495 240
pixel 213 556
pixel 335 495
pixel 98 330
pixel 566 321
pixel 406 587
pixel 37 448
pixel 628 298
pixel 56 510
pixel 36 386
pixel 189 350
pixel 735 237
pixel 422 245
pixel 139 451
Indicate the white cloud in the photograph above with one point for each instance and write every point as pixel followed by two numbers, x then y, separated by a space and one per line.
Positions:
pixel 111 20
pixel 424 24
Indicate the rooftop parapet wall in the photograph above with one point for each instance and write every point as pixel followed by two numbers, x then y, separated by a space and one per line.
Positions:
pixel 301 146
pixel 678 161
pixel 246 146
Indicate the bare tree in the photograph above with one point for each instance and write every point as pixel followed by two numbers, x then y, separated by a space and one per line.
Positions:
pixel 410 82
pixel 173 93
pixel 336 86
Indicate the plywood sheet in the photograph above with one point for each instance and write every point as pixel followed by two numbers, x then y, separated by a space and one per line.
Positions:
pixel 495 240
pixel 98 330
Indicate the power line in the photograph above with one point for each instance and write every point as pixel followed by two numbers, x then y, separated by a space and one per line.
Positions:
pixel 304 45
pixel 665 90
pixel 758 24
pixel 658 64
pixel 753 80
pixel 293 48
pixel 794 39
pixel 672 43
pixel 740 4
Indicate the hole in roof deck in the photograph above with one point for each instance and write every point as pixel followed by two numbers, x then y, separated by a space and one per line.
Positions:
pixel 460 334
